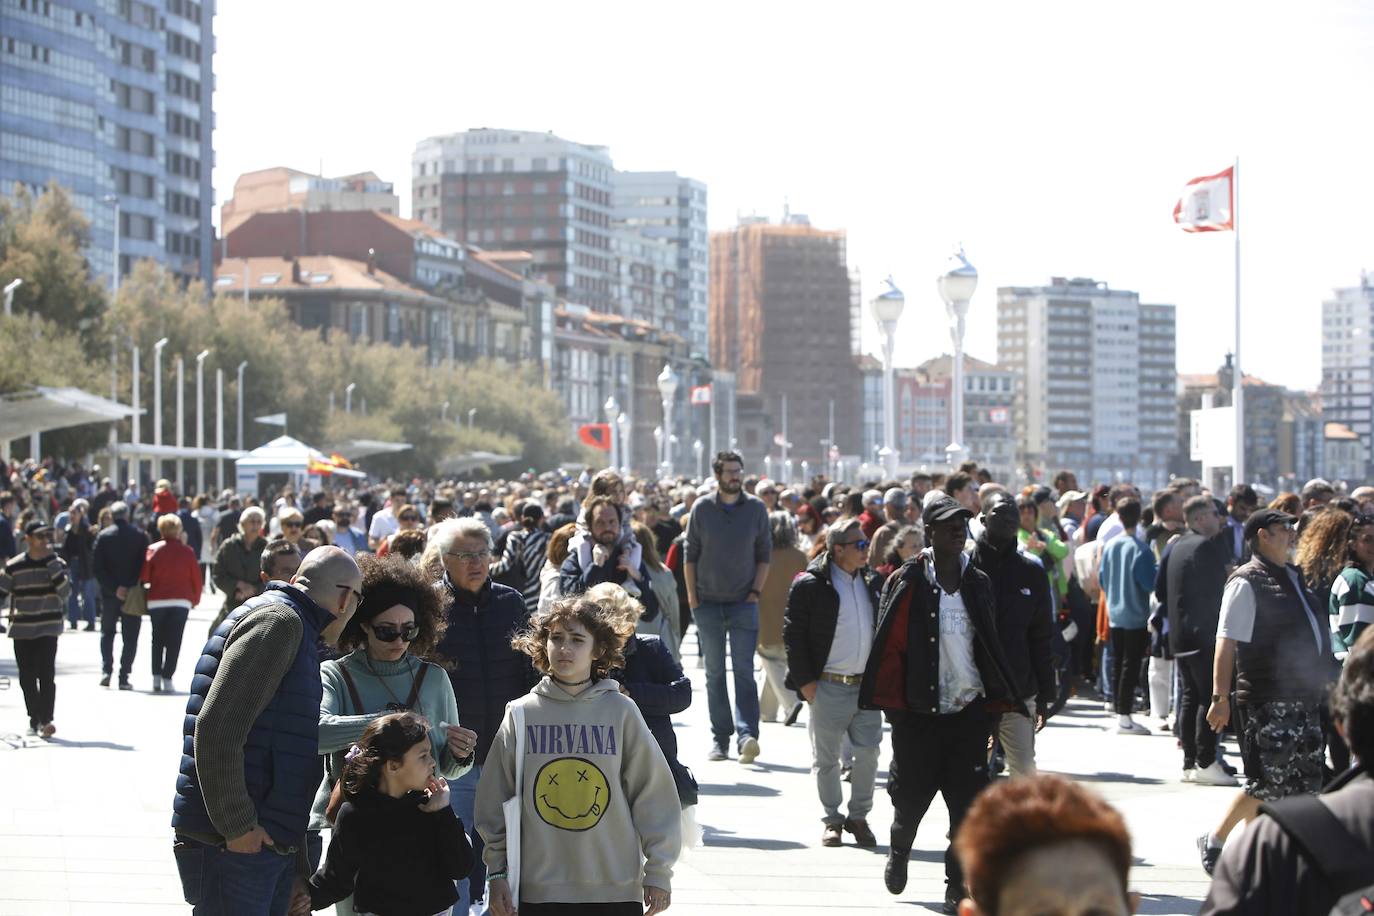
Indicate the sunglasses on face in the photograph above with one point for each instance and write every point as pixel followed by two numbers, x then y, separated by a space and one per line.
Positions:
pixel 291 524
pixel 861 544
pixel 410 518
pixel 386 632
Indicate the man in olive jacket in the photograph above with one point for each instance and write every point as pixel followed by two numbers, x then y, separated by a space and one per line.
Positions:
pixel 828 634
pixel 938 671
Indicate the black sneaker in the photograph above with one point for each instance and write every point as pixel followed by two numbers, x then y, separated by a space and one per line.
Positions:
pixel 71 625
pixel 104 680
pixel 90 628
pixel 952 897
pixel 894 873
pixel 1210 854
pixel 792 716
pixel 124 684
pixel 718 752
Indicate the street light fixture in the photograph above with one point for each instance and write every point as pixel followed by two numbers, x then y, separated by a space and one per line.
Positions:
pixel 622 423
pixel 443 414
pixel 956 286
pixel 887 311
pixel 348 396
pixel 157 404
pixel 699 450
pixel 612 412
pixel 10 287
pixel 200 419
pixel 667 389
pixel 243 365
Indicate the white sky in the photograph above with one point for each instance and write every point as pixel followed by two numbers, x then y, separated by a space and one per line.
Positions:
pixel 1051 139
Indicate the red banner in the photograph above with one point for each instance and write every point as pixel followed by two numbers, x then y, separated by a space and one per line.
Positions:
pixel 597 435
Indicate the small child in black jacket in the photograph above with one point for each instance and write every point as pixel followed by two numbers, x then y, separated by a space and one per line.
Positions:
pixel 397 846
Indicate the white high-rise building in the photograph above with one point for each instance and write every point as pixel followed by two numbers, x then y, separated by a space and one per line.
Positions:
pixel 1348 361
pixel 1095 380
pixel 665 205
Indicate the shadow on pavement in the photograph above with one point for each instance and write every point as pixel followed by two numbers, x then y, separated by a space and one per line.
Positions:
pixel 1115 777
pixel 104 745
pixel 742 788
pixel 1168 905
pixel 724 838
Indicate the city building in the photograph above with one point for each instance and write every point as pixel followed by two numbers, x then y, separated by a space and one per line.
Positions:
pixel 1344 454
pixel 665 205
pixel 646 272
pixel 1347 387
pixel 1094 379
pixel 280 189
pixel 781 304
pixel 524 191
pixel 112 100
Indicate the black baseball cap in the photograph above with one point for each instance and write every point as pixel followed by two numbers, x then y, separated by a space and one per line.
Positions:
pixel 943 509
pixel 37 527
pixel 1263 518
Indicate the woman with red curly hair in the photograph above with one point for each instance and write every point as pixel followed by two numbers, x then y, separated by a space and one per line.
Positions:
pixel 1044 844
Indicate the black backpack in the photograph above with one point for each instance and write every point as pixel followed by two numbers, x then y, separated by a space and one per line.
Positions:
pixel 1343 861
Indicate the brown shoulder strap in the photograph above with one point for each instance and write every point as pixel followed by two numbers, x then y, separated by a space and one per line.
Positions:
pixel 352 690
pixel 415 686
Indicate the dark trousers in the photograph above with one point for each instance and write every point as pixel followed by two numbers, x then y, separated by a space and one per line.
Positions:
pixel 946 754
pixel 1129 648
pixel 37 662
pixel 168 625
pixel 112 617
pixel 1199 741
pixel 628 908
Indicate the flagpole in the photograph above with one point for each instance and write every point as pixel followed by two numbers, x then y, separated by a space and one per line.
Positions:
pixel 1237 374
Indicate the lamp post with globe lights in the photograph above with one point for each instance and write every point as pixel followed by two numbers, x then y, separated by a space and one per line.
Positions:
pixel 887 311
pixel 667 389
pixel 956 286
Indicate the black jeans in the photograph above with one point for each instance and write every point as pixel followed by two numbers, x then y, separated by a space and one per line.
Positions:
pixel 112 617
pixel 1199 741
pixel 946 754
pixel 37 662
pixel 1129 648
pixel 168 625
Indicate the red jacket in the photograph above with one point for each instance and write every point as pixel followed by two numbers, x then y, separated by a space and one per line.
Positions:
pixel 164 502
pixel 172 573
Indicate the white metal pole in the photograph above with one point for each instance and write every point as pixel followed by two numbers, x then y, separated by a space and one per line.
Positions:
pixel 219 428
pixel 157 405
pixel 181 422
pixel 200 419
pixel 134 463
pixel 1238 375
pixel 242 366
pixel 115 272
pixel 889 399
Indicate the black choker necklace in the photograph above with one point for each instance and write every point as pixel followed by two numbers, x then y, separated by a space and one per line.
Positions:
pixel 558 680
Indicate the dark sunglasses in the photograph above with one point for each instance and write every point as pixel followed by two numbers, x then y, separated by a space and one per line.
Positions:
pixel 386 632
pixel 291 524
pixel 861 543
pixel 410 518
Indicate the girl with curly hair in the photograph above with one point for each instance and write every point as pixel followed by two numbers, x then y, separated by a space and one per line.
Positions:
pixel 397 846
pixel 398 622
pixel 595 795
pixel 1323 547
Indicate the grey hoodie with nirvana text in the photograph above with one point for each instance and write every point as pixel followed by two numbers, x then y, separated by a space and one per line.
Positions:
pixel 597 799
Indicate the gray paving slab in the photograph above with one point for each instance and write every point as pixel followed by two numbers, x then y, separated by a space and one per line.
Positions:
pixel 84 818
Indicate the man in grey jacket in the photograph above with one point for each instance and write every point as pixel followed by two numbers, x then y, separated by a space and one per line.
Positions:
pixel 729 546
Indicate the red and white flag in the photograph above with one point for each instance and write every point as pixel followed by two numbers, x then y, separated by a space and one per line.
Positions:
pixel 1208 204
pixel 701 394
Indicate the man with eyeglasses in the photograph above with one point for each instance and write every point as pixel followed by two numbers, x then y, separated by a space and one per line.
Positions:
pixel 485 671
pixel 1276 638
pixel 347 537
pixel 250 761
pixel 938 671
pixel 828 633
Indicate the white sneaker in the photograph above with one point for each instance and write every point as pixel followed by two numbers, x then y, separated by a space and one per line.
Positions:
pixel 167 685
pixel 748 749
pixel 1133 728
pixel 1214 775
pixel 1188 775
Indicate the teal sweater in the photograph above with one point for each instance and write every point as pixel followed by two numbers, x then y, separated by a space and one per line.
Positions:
pixel 340 729
pixel 1127 574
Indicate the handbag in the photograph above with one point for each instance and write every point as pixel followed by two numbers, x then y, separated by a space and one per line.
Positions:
pixel 136 601
pixel 510 808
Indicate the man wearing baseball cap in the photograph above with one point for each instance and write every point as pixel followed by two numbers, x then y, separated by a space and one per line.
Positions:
pixel 1071 507
pixel 37 578
pixel 938 671
pixel 1278 645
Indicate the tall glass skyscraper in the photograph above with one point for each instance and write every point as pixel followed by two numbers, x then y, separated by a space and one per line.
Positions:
pixel 112 99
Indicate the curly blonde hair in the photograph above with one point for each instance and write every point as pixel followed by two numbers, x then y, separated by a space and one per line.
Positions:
pixel 620 609
pixel 608 642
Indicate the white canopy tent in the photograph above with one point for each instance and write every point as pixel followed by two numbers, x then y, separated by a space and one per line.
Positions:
pixel 358 449
pixel 288 460
pixel 32 412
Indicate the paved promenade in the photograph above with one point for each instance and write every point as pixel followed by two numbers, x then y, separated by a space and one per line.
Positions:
pixel 84 817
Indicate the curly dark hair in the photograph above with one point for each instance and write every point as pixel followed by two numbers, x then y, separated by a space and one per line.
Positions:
pixel 608 644
pixel 408 544
pixel 388 574
pixel 386 738
pixel 1324 546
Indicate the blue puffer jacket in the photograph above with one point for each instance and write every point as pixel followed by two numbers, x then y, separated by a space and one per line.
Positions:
pixel 660 690
pixel 485 671
pixel 281 762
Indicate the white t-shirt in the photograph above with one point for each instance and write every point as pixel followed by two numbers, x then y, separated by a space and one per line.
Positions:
pixel 1237 620
pixel 960 682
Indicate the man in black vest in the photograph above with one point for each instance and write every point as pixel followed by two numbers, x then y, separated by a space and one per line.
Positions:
pixel 1189 585
pixel 1275 639
pixel 938 671
pixel 250 761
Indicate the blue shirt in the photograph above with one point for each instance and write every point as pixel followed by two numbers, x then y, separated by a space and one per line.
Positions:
pixel 1127 574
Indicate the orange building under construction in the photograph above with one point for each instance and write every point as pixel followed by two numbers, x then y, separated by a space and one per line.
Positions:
pixel 785 319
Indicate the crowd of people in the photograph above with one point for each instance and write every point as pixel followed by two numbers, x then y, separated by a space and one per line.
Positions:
pixel 470 687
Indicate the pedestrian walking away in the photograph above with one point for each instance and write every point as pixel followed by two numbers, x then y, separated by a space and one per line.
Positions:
pixel 118 562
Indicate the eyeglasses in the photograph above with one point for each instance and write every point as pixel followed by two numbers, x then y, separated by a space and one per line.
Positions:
pixel 476 556
pixel 292 524
pixel 861 544
pixel 409 518
pixel 385 632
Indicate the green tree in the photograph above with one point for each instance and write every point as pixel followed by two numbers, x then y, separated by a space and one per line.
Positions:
pixel 41 240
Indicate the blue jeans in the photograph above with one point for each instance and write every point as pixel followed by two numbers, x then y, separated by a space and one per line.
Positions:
pixel 83 602
pixel 217 882
pixel 463 798
pixel 739 623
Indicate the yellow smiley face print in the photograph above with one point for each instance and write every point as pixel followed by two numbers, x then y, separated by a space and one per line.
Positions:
pixel 571 793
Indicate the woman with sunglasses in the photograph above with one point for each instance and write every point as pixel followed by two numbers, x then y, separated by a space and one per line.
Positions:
pixel 407 519
pixel 398 621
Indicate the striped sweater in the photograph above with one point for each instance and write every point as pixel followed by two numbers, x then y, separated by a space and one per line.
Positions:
pixel 38 591
pixel 1351 608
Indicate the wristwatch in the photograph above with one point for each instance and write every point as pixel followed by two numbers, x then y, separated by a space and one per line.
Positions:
pixel 755 592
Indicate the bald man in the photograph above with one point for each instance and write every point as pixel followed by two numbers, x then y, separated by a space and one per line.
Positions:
pixel 250 749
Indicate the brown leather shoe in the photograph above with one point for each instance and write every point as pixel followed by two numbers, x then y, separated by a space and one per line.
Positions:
pixel 832 836
pixel 862 834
